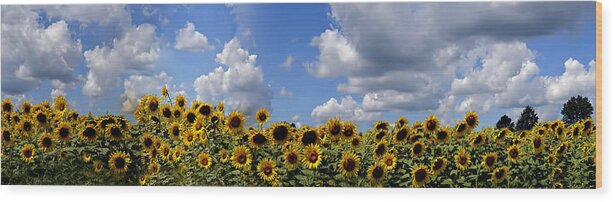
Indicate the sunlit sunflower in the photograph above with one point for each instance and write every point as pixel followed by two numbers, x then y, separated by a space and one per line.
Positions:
pixel 119 161
pixel 418 149
pixel 223 155
pixel 417 126
pixel 312 156
pixel 205 110
pixel 98 166
pixel 41 118
pixel 7 106
pixel 177 112
pixel 46 142
pixel 262 116
pixel 235 121
pixel 216 121
pixel 401 135
pixel 176 153
pixel 63 132
pixel 380 134
pixel 552 159
pixel 267 169
pixel 27 152
pixel 152 104
pixel 258 138
pixel 431 123
pixel 175 131
pixel 189 137
pixel 154 167
pixel 147 141
pixel 541 130
pixel 291 158
pixel 477 140
pixel 376 173
pixel 143 179
pixel 114 132
pixel 7 137
pixel 59 103
pixel 489 161
pixel 355 142
pixel 502 135
pixel 165 151
pixel 438 165
pixel 514 153
pixel 461 129
pixel 562 148
pixel 471 119
pixel 560 132
pixel 556 173
pixel 26 107
pixel 165 111
pixel 380 149
pixel 86 156
pixel 334 127
pixel 220 107
pixel 180 101
pixel 349 164
pixel 308 135
pixel 415 137
pixel 499 174
pixel 401 122
pixel 588 125
pixel 389 160
pixel 538 143
pixel 241 157
pixel 204 160
pixel 89 133
pixel 462 160
pixel 420 175
pixel 381 125
pixel 349 129
pixel 442 135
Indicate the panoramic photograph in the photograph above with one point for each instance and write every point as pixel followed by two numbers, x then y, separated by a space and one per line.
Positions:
pixel 393 95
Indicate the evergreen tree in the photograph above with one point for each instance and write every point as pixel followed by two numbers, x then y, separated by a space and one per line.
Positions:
pixel 527 120
pixel 576 109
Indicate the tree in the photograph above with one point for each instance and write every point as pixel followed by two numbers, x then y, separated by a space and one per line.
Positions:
pixel 505 122
pixel 576 109
pixel 527 120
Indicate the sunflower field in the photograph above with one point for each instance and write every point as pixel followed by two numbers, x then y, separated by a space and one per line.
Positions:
pixel 174 143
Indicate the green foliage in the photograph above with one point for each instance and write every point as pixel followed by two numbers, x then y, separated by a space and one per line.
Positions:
pixel 576 109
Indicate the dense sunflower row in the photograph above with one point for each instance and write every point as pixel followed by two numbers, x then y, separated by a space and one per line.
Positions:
pixel 176 144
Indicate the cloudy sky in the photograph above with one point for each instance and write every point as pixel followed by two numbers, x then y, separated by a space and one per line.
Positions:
pixel 307 62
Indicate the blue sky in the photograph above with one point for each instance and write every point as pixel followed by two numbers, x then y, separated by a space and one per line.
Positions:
pixel 360 62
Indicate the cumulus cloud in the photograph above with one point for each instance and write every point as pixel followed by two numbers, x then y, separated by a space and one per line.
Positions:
pixel 347 109
pixel 575 80
pixel 112 14
pixel 288 62
pixel 135 51
pixel 285 92
pixel 191 40
pixel 33 54
pixel 241 85
pixel 135 86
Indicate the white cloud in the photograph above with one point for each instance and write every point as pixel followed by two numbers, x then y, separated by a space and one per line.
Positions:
pixel 241 86
pixel 347 109
pixel 112 14
pixel 295 118
pixel 135 86
pixel 285 92
pixel 288 62
pixel 574 81
pixel 134 52
pixel 33 54
pixel 191 40
pixel 337 55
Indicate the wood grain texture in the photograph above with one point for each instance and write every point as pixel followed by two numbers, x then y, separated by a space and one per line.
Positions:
pixel 598 95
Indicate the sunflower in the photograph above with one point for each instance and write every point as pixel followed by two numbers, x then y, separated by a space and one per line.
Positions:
pixel 46 142
pixel 154 167
pixel 190 116
pixel 381 125
pixel 165 111
pixel 461 129
pixel 349 129
pixel 59 103
pixel 241 157
pixel 257 139
pixel 147 141
pixel 415 137
pixel 235 121
pixel 26 107
pixel 499 174
pixel 27 152
pixel 355 142
pixel 205 110
pixel 438 165
pixel 119 162
pixel 152 104
pixel 114 132
pixel 7 137
pixel 98 166
pixel 204 160
pixel 86 156
pixel 63 132
pixel 216 120
pixel 588 125
pixel 334 127
pixel 489 161
pixel 180 101
pixel 502 134
pixel 165 151
pixel 89 133
pixel 380 149
pixel 262 116
pixel 349 164
pixel 477 140
pixel 7 106
pixel 202 136
pixel 42 119
pixel 552 159
pixel 420 175
pixel 177 112
pixel 291 158
pixel 143 179
pixel 514 153
pixel 431 123
pixel 462 160
pixel 401 135
pixel 189 137
pixel 176 153
pixel 556 173
pixel 389 160
pixel 267 169
pixel 312 156
pixel 442 135
pixel 418 149
pixel 376 173
pixel 563 147
pixel 223 155
pixel 417 126
pixel 175 131
pixel 538 143
pixel 471 119
pixel 308 135
pixel 380 134
pixel 401 122
pixel 560 132
pixel 220 107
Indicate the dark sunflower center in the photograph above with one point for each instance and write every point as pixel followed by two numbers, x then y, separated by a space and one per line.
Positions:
pixel 415 138
pixel 16 119
pixel 402 134
pixel 181 103
pixel 349 164
pixel 514 153
pixel 46 142
pixel 557 172
pixel 336 129
pixel 313 156
pixel 541 132
pixel 166 112
pixel 401 122
pixel 380 149
pixel 177 113
pixel 461 128
pixel 355 142
pixel 575 132
pixel 262 117
pixel 560 131
pixel 204 161
pixel 116 132
pixel 6 136
pixel 191 117
pixel 27 109
pixel 89 132
pixel 561 149
pixel 235 122
pixel 27 153
pixel 382 126
pixel 441 135
pixel 6 107
pixel 500 173
pixel 587 125
pixel 155 119
pixel 389 162
pixel 417 148
pixel 215 119
pixel 438 164
pixel 205 110
pixel 148 142
pixel 380 135
pixel 378 172
pixel 471 120
pixel 27 126
pixel 490 161
pixel 478 139
pixel 120 163
pixel 420 175
pixel 175 131
pixel 292 158
pixel 348 132
pixel 241 158
pixel 41 118
pixel 166 151
pixel 309 137
pixel 153 105
pixel 463 160
pixel 431 125
pixel 259 139
pixel 537 143
pixel 267 170
pixel 64 133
